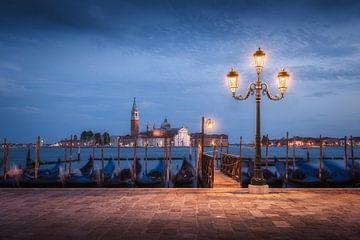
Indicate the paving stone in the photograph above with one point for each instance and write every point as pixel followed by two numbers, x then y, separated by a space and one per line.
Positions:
pixel 179 214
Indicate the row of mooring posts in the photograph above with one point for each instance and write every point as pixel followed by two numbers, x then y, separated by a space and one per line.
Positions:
pixel 321 154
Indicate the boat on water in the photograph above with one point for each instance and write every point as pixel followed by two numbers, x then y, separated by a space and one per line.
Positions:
pixel 124 179
pixel 186 175
pixel 155 178
pixel 11 178
pixel 93 178
pixel 337 176
pixel 302 175
pixel 45 178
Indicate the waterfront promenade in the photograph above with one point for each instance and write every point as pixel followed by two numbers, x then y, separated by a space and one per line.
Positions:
pixel 179 214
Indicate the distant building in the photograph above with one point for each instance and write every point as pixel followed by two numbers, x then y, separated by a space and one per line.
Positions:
pixel 134 122
pixel 157 136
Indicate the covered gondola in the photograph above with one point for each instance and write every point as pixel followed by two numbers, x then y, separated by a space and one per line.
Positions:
pixel 155 178
pixel 186 175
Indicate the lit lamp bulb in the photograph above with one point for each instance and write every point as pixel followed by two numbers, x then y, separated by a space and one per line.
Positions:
pixel 233 80
pixel 209 124
pixel 259 57
pixel 283 78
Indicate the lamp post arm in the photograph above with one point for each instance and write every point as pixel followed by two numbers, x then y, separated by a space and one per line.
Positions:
pixel 265 91
pixel 250 90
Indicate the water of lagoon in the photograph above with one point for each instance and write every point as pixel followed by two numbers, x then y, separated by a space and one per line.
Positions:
pixel 17 156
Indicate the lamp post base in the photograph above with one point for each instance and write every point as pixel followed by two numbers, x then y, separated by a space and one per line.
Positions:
pixel 256 189
pixel 258 178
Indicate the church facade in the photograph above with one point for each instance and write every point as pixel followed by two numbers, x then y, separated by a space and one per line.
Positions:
pixel 156 137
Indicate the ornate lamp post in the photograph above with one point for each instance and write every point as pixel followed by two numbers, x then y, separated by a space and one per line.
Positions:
pixel 258 87
pixel 209 124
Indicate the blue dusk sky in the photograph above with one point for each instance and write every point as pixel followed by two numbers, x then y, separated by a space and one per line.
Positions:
pixel 67 66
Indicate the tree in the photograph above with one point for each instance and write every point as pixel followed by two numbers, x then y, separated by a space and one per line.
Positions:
pixel 106 138
pixel 98 138
pixel 86 135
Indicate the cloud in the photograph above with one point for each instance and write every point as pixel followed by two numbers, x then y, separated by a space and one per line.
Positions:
pixel 321 94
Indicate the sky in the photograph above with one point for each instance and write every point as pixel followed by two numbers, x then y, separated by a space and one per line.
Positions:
pixel 69 66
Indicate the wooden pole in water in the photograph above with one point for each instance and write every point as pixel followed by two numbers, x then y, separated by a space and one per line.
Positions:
pixel 134 163
pixel 287 158
pixel 70 153
pixel 37 164
pixel 221 146
pixel 227 147
pixel 28 158
pixel 321 157
pixel 65 153
pixel 93 151
pixel 345 153
pixel 307 153
pixel 294 157
pixel 267 150
pixel 118 158
pixel 166 162
pixel 7 157
pixel 240 146
pixel 79 150
pixel 102 164
pixel 170 160
pixel 146 156
pixel 4 159
pixel 352 156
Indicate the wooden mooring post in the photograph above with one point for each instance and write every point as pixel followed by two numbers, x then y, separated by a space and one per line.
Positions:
pixel 134 161
pixel 287 158
pixel 170 162
pixel 102 164
pixel 5 158
pixel 345 153
pixel 146 157
pixel 65 155
pixel 70 155
pixel 79 152
pixel 294 156
pixel 321 157
pixel 118 157
pixel 93 151
pixel 37 157
pixel 240 146
pixel 352 156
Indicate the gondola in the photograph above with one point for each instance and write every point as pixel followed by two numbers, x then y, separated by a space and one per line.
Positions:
pixel 12 178
pixel 336 176
pixel 45 178
pixel 124 179
pixel 93 178
pixel 155 178
pixel 186 174
pixel 300 176
pixel 272 177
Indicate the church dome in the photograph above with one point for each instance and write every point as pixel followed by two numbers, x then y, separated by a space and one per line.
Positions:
pixel 165 124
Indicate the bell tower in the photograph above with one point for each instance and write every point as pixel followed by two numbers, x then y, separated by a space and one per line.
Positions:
pixel 134 120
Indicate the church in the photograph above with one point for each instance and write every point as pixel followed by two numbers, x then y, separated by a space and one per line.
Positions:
pixel 178 137
pixel 152 136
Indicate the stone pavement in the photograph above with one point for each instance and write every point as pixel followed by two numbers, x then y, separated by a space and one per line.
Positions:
pixel 179 214
pixel 223 181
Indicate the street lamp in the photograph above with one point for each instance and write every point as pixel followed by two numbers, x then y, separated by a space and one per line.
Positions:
pixel 209 124
pixel 258 87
